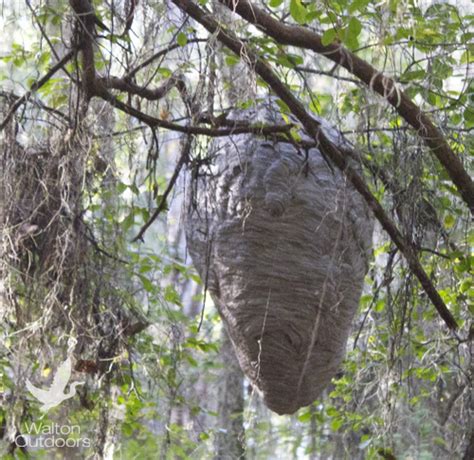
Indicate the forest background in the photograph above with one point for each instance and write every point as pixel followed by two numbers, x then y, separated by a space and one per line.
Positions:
pixel 107 108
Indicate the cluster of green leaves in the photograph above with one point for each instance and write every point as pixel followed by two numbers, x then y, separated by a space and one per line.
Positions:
pixel 339 18
pixel 401 358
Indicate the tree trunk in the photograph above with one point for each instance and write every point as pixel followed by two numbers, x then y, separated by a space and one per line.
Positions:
pixel 229 439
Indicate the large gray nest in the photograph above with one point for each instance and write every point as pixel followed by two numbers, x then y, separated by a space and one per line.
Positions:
pixel 282 241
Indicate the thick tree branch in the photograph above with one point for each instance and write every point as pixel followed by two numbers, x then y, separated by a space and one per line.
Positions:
pixel 302 37
pixel 86 20
pixel 130 17
pixel 95 86
pixel 327 147
pixel 127 86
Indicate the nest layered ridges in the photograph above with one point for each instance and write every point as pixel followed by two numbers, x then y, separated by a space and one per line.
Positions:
pixel 283 242
pixel 288 308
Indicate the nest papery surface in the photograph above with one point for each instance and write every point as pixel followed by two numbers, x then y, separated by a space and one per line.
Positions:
pixel 282 242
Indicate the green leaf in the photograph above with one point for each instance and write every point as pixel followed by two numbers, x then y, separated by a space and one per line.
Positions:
pixel 195 278
pixel 134 189
pixel 352 32
pixel 128 221
pixel 449 221
pixel 328 37
pixel 358 5
pixel 441 69
pixel 58 100
pixel 289 60
pixel 380 305
pixel 413 75
pixel 469 115
pixel 182 39
pixel 121 187
pixel 147 284
pixel 336 424
pixel 298 11
pixel 165 72
pixel 127 429
pixel 465 285
pixel 275 3
pixel 44 58
pixel 170 295
pixel 305 417
pixel 355 26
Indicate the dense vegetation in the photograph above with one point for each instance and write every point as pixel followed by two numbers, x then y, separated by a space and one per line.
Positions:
pixel 105 108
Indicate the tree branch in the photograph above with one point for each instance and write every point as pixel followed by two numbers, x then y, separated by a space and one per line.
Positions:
pixel 313 128
pixel 159 54
pixel 154 122
pixel 58 113
pixel 326 74
pixel 86 19
pixel 302 37
pixel 163 203
pixel 127 86
pixel 35 87
pixel 130 17
pixel 94 86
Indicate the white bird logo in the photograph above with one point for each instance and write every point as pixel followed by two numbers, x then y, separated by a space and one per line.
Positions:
pixel 55 395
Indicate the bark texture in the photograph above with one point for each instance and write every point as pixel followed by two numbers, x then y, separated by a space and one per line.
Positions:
pixel 282 242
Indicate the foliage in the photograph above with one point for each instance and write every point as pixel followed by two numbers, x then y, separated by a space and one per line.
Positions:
pixel 148 336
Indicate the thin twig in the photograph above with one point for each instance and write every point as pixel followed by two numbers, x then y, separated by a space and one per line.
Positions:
pixel 181 162
pixel 327 74
pixel 159 54
pixel 35 87
pixel 40 104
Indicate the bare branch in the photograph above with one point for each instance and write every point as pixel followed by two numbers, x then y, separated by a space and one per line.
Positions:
pixel 58 113
pixel 160 54
pixel 153 122
pixel 326 74
pixel 127 86
pixel 130 17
